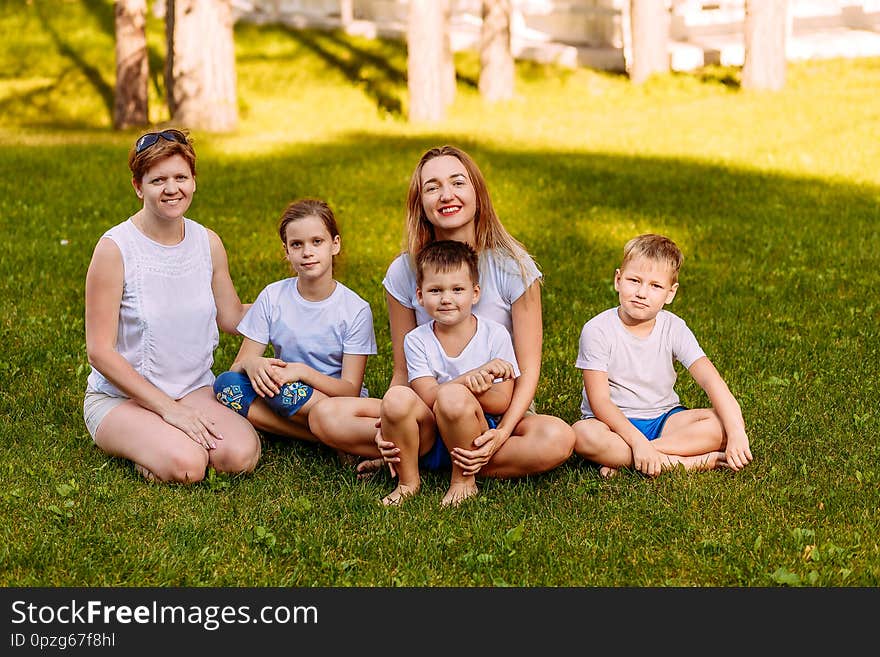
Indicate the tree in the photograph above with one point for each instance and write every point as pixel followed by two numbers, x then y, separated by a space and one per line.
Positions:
pixel 450 78
pixel 765 61
pixel 496 59
pixel 200 67
pixel 130 106
pixel 424 62
pixel 649 23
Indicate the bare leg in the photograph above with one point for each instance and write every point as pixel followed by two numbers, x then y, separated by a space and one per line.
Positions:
pixel 239 450
pixel 690 433
pixel 597 443
pixel 539 443
pixel 296 426
pixel 132 432
pixel 347 424
pixel 409 424
pixel 460 419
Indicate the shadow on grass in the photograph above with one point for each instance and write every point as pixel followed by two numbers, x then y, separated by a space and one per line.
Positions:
pixel 90 72
pixel 380 80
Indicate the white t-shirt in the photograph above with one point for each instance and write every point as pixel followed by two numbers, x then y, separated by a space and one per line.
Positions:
pixel 167 317
pixel 501 283
pixel 315 333
pixel 641 373
pixel 425 355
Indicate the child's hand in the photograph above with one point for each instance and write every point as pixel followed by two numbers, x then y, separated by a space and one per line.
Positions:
pixel 737 454
pixel 264 375
pixel 479 381
pixel 289 373
pixel 499 368
pixel 647 460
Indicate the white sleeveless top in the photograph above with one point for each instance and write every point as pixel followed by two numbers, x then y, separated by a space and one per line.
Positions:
pixel 167 318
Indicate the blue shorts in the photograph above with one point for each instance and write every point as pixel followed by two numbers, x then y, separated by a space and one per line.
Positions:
pixel 652 428
pixel 438 457
pixel 234 389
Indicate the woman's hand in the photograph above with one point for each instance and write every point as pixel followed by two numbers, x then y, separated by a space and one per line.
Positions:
pixel 479 382
pixel 200 428
pixel 389 451
pixel 471 461
pixel 499 368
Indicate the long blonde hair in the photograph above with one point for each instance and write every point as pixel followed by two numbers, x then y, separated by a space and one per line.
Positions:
pixel 489 232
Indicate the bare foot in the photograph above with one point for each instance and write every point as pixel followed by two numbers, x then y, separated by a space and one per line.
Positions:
pixel 703 462
pixel 458 493
pixel 143 472
pixel 368 467
pixel 606 472
pixel 399 494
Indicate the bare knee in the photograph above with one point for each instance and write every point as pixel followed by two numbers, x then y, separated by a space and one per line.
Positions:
pixel 590 436
pixel 184 467
pixel 239 456
pixel 320 416
pixel 558 440
pixel 454 402
pixel 399 404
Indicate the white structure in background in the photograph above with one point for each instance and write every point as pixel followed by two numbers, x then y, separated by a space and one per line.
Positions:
pixel 595 33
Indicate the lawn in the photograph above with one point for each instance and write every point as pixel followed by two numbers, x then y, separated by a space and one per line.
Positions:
pixel 773 198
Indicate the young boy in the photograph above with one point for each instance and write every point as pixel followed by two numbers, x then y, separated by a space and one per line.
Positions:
pixel 462 367
pixel 631 415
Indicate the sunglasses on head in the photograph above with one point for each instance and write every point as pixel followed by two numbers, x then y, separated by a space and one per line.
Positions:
pixel 151 138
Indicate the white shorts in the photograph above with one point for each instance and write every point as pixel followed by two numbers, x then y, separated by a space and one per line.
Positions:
pixel 96 405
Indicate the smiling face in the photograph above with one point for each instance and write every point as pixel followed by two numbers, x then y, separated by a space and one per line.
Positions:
pixel 644 286
pixel 448 198
pixel 167 188
pixel 310 248
pixel 448 296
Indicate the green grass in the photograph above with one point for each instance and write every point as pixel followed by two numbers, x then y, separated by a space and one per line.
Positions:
pixel 774 199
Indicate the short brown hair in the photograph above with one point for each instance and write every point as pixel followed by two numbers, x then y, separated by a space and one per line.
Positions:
pixel 140 163
pixel 654 247
pixel 447 255
pixel 307 207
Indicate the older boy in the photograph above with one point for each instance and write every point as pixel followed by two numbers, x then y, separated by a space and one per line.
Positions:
pixel 462 367
pixel 631 415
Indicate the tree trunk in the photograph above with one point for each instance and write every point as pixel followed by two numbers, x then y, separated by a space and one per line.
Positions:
pixel 765 61
pixel 649 20
pixel 424 62
pixel 496 59
pixel 200 67
pixel 346 12
pixel 130 107
pixel 450 80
